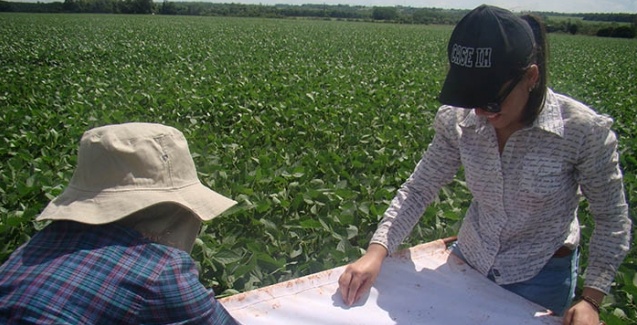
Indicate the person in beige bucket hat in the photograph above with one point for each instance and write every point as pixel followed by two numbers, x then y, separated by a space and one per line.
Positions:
pixel 117 251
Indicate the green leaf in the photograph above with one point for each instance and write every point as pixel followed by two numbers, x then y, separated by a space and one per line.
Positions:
pixel 226 257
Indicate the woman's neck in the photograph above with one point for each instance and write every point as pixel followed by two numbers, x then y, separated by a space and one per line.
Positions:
pixel 503 134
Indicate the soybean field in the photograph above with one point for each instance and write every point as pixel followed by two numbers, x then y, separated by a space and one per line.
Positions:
pixel 311 125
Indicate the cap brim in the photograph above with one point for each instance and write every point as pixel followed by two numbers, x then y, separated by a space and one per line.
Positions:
pixel 109 206
pixel 460 89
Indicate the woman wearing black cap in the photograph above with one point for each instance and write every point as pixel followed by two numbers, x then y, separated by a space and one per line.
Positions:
pixel 528 154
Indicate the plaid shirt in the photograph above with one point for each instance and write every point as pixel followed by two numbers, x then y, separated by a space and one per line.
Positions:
pixel 525 199
pixel 72 273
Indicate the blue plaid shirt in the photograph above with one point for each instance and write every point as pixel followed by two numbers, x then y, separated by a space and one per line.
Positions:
pixel 72 273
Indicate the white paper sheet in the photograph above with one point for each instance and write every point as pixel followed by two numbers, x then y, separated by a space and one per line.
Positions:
pixel 420 285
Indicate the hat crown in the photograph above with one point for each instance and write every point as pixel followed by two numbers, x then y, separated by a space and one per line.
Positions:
pixel 487 48
pixel 491 37
pixel 133 156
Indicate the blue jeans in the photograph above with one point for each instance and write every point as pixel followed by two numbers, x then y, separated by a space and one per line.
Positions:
pixel 552 288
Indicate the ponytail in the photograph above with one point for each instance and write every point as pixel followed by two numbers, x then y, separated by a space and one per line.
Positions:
pixel 537 96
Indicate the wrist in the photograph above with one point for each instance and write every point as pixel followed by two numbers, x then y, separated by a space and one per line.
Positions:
pixel 593 296
pixel 377 250
pixel 591 301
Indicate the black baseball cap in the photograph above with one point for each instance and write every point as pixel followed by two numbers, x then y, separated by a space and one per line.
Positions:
pixel 488 47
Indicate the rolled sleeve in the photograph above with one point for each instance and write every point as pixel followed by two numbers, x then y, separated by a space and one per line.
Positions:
pixel 600 179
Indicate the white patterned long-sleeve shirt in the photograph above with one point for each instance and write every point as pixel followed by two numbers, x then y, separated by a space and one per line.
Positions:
pixel 525 199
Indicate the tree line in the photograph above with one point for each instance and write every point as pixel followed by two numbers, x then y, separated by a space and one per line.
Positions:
pixel 82 6
pixel 590 24
pixel 321 11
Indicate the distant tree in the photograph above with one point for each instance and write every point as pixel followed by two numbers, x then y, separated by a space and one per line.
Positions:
pixel 605 32
pixel 146 6
pixel 70 6
pixel 623 32
pixel 39 7
pixel 620 32
pixel 618 18
pixel 384 13
pixel 168 8
pixel 572 28
pixel 422 16
pixel 137 6
pixel 5 6
pixel 102 6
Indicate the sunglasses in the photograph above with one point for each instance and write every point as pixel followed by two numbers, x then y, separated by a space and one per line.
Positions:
pixel 496 106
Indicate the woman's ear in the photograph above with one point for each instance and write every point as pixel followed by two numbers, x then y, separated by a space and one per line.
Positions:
pixel 532 76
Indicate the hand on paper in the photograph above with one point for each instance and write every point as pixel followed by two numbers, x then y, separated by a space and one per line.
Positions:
pixel 583 312
pixel 359 276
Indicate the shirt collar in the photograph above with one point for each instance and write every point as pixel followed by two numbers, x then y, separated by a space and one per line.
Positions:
pixel 471 120
pixel 549 120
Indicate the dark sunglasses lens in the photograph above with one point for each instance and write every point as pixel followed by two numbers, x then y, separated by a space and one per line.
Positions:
pixel 492 108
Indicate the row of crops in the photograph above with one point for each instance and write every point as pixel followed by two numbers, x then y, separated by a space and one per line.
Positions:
pixel 311 125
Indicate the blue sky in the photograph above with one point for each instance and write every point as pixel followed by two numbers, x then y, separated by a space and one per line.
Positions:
pixel 564 6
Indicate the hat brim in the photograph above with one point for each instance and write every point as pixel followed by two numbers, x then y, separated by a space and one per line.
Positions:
pixel 460 89
pixel 109 206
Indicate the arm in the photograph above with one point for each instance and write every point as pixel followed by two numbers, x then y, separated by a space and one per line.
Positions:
pixel 437 167
pixel 602 185
pixel 600 179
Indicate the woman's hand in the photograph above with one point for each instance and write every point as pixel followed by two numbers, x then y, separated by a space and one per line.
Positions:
pixel 584 312
pixel 359 276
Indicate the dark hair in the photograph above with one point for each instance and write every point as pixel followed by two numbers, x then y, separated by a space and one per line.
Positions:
pixel 537 95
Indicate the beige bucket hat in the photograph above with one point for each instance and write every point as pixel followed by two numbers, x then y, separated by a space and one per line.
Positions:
pixel 124 168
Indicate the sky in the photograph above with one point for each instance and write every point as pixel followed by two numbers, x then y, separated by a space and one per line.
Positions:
pixel 562 6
